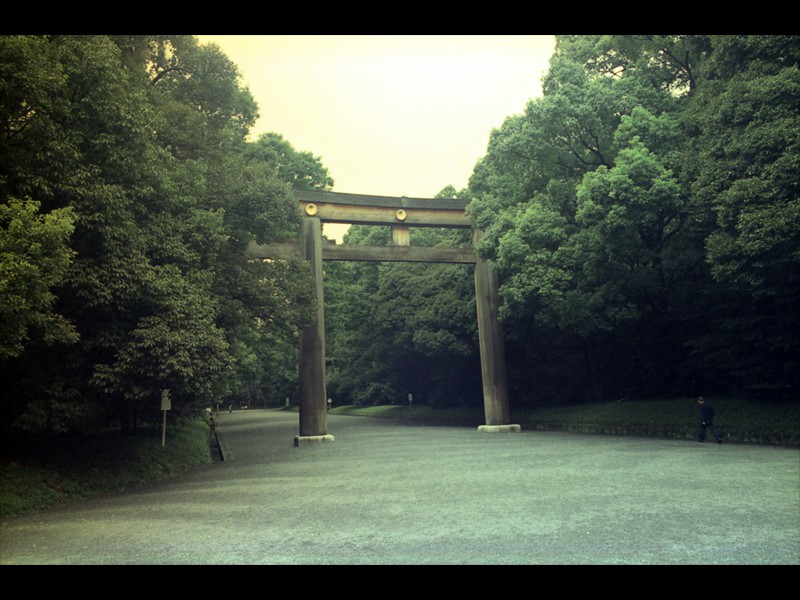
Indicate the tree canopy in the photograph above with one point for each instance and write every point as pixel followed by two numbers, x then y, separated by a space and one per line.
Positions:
pixel 643 216
pixel 129 192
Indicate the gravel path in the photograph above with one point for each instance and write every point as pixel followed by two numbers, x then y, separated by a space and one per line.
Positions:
pixel 387 493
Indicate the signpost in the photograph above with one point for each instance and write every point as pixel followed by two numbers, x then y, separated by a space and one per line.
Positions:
pixel 166 404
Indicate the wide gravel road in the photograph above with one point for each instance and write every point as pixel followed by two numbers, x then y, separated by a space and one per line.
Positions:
pixel 386 493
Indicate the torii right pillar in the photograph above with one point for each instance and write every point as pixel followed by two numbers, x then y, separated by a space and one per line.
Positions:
pixel 493 355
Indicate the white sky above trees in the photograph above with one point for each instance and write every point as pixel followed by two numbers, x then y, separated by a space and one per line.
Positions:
pixel 389 115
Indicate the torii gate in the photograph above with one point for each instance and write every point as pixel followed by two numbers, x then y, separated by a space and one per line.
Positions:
pixel 400 213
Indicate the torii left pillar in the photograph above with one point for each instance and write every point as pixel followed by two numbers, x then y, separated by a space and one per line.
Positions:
pixel 313 397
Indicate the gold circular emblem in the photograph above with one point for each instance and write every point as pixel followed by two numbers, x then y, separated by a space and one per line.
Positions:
pixel 401 215
pixel 311 209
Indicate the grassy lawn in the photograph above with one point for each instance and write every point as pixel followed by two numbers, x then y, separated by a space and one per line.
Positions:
pixel 739 420
pixel 41 476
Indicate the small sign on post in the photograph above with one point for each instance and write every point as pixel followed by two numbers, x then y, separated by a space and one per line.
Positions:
pixel 166 404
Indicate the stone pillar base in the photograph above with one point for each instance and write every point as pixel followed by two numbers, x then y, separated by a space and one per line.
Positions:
pixel 500 428
pixel 305 440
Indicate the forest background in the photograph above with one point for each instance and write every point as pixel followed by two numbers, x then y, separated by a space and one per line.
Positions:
pixel 643 216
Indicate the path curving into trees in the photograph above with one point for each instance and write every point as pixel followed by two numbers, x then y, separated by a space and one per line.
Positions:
pixel 387 493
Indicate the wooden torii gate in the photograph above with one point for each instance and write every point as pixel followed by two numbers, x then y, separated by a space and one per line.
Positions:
pixel 399 213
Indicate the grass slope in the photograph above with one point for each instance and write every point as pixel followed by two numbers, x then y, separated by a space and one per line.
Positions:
pixel 43 475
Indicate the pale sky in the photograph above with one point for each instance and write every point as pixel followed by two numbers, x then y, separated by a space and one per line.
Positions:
pixel 389 115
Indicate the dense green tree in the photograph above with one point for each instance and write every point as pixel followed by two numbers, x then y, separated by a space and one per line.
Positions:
pixel 141 140
pixel 649 164
pixel 302 170
pixel 398 328
pixel 745 125
pixel 82 145
pixel 34 259
pixel 747 121
pixel 643 214
pixel 579 212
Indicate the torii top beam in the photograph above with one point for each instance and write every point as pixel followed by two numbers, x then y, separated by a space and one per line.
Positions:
pixel 336 207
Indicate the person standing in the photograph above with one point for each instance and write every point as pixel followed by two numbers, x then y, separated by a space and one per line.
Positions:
pixel 707 420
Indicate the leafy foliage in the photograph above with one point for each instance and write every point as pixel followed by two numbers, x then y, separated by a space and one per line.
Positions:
pixel 34 258
pixel 643 215
pixel 302 169
pixel 394 329
pixel 133 150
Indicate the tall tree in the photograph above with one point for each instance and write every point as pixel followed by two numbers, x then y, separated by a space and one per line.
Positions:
pixel 646 156
pixel 142 139
pixel 745 124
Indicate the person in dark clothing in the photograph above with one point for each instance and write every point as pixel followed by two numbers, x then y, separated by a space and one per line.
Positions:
pixel 707 420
